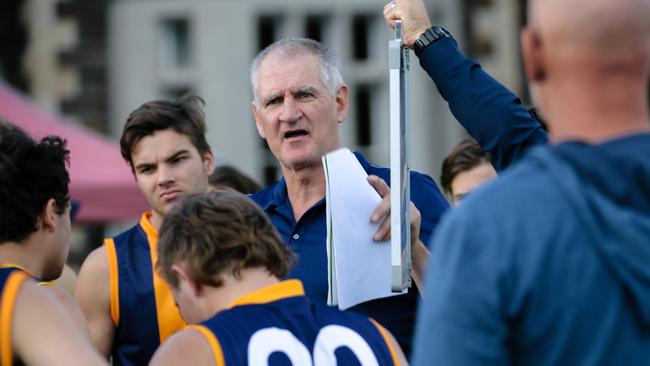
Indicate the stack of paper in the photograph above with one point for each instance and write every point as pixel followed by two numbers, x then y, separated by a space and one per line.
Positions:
pixel 359 268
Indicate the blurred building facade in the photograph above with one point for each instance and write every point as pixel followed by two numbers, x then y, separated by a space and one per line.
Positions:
pixel 96 60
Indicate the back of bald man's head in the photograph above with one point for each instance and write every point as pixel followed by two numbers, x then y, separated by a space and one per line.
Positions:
pixel 607 28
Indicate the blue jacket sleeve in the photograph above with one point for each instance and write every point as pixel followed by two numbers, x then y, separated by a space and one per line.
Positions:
pixel 490 113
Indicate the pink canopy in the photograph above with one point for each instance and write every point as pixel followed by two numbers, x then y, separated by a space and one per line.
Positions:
pixel 99 178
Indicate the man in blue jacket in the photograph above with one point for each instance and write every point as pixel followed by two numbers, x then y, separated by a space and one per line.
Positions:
pixel 548 264
pixel 300 101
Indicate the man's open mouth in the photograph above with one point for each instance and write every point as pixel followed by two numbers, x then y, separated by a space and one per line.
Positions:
pixel 295 133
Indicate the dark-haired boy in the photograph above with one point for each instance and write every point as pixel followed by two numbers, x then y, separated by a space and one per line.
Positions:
pixel 129 308
pixel 465 169
pixel 39 324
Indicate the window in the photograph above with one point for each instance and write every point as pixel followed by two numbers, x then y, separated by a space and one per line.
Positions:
pixel 174 43
pixel 363 115
pixel 316 27
pixel 267 31
pixel 360 36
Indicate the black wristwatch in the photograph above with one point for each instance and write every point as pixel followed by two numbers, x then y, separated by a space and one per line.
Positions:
pixel 429 36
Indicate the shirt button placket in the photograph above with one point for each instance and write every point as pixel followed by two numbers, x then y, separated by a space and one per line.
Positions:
pixel 294 241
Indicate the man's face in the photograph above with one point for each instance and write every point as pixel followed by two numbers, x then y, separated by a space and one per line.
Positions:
pixel 469 180
pixel 296 114
pixel 167 166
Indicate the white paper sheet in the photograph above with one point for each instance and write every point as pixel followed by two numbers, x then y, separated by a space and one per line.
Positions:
pixel 359 268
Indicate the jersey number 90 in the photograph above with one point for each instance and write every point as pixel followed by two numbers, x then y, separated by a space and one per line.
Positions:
pixel 266 341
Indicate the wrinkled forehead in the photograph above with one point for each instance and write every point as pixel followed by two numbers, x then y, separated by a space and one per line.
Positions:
pixel 289 52
pixel 290 58
pixel 278 71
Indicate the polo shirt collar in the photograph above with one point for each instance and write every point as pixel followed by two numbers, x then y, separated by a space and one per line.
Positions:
pixel 279 196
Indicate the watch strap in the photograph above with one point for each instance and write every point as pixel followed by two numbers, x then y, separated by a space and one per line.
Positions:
pixel 429 37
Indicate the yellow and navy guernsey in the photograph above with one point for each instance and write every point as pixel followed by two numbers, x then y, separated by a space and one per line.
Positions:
pixel 142 306
pixel 11 278
pixel 279 322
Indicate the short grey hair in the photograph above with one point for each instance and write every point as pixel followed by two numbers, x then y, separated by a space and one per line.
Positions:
pixel 330 64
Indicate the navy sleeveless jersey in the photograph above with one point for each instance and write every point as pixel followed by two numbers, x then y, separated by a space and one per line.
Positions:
pixel 142 307
pixel 278 325
pixel 11 278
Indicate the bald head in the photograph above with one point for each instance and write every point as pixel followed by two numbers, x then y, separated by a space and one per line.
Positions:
pixel 603 27
pixel 588 62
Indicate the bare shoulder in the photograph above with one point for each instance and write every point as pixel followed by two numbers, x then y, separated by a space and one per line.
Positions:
pixel 96 263
pixel 189 347
pixel 94 275
pixel 69 305
pixel 93 285
pixel 41 318
pixel 59 294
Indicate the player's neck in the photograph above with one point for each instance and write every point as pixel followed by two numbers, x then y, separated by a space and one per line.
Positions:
pixel 233 288
pixel 21 255
pixel 156 219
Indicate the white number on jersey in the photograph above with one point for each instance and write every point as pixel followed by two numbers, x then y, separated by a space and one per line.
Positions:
pixel 330 338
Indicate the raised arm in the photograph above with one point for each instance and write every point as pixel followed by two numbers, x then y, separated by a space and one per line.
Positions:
pixel 490 112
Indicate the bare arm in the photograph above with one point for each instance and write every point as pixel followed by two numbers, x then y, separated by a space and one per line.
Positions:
pixel 187 347
pixel 44 334
pixel 420 258
pixel 93 296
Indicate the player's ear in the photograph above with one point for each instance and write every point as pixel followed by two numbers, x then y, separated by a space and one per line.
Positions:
pixel 185 280
pixel 258 120
pixel 47 218
pixel 208 162
pixel 533 55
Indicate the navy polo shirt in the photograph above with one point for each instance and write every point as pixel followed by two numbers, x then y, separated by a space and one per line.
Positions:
pixel 307 239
